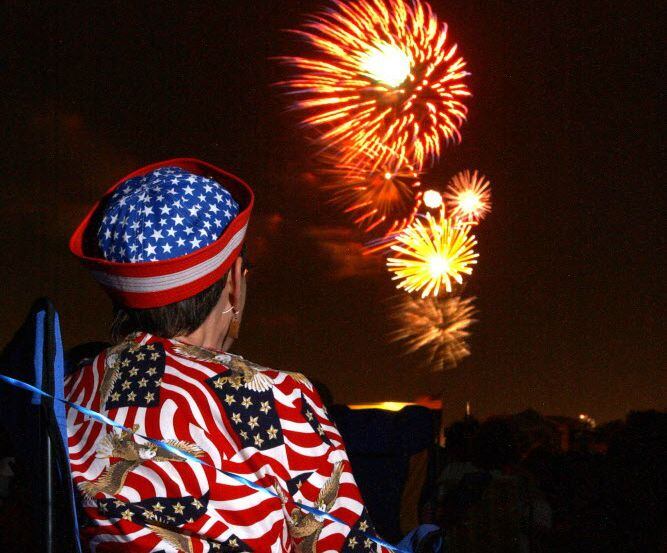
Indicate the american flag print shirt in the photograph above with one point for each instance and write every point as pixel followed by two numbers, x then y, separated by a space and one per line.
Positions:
pixel 268 426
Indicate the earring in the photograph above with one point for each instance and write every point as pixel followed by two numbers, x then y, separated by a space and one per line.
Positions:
pixel 234 325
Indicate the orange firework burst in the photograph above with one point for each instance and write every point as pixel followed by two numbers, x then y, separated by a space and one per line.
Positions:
pixel 381 197
pixel 432 255
pixel 468 196
pixel 437 326
pixel 384 80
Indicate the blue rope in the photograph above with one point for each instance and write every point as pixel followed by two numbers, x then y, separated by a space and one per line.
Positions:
pixel 106 420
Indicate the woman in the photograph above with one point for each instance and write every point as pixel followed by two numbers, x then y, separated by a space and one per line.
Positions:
pixel 166 243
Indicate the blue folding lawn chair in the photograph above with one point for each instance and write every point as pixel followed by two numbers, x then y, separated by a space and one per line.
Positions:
pixel 37 430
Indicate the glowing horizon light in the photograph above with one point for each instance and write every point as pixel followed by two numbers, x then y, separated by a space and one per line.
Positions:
pixel 381 79
pixel 587 420
pixel 468 196
pixel 437 326
pixel 386 63
pixel 432 199
pixel 384 405
pixel 432 255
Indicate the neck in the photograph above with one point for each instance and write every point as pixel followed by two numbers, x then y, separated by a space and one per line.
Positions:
pixel 202 338
pixel 212 334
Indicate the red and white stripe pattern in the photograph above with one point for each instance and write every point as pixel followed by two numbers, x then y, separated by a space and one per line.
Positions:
pixel 156 283
pixel 296 451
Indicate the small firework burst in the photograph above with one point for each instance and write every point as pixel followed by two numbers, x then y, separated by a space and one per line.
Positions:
pixel 432 199
pixel 381 198
pixel 469 196
pixel 437 326
pixel 431 255
pixel 383 80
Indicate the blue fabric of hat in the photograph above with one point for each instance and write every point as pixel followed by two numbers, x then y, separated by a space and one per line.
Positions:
pixel 164 214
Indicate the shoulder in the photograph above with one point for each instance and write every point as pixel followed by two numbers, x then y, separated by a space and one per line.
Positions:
pixel 261 376
pixel 231 373
pixel 290 378
pixel 257 399
pixel 222 367
pixel 239 375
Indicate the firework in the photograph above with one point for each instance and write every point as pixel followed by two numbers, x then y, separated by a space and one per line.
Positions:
pixel 431 255
pixel 383 80
pixel 432 199
pixel 382 198
pixel 437 326
pixel 468 196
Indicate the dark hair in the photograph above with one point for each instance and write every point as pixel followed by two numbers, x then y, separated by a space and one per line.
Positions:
pixel 170 320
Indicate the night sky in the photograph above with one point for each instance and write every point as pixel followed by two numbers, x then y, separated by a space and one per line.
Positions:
pixel 564 121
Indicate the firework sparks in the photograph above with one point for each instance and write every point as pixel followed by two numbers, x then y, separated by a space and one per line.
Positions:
pixel 382 198
pixel 384 80
pixel 432 255
pixel 468 196
pixel 437 326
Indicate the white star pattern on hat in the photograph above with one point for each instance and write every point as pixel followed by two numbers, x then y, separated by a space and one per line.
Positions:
pixel 164 214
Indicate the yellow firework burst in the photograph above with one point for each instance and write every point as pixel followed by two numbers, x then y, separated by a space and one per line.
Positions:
pixel 433 254
pixel 468 196
pixel 380 197
pixel 383 79
pixel 437 326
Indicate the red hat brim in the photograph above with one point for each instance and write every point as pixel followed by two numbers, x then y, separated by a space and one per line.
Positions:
pixel 156 283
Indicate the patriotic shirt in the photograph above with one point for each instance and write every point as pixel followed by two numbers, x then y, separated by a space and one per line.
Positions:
pixel 268 426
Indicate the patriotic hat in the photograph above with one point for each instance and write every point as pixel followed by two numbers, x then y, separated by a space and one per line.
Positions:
pixel 165 232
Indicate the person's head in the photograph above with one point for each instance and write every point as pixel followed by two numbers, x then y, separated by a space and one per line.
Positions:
pixel 495 444
pixel 217 305
pixel 166 243
pixel 458 438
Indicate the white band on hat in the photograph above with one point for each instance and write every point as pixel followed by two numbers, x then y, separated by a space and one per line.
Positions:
pixel 166 282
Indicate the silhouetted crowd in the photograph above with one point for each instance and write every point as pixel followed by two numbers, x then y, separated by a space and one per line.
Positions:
pixel 528 483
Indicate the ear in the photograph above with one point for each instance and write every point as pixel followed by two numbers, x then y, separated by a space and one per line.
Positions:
pixel 235 283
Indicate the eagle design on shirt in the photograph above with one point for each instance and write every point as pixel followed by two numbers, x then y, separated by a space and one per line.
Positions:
pixel 112 366
pixel 131 455
pixel 308 526
pixel 243 373
pixel 182 542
